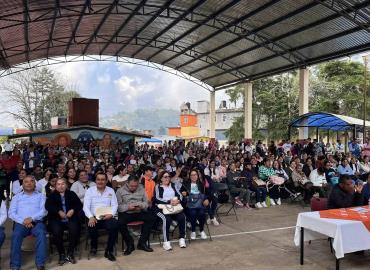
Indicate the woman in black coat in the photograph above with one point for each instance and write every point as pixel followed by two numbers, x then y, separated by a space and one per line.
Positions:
pixel 63 207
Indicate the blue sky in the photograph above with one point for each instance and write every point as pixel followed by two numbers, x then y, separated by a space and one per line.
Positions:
pixel 126 87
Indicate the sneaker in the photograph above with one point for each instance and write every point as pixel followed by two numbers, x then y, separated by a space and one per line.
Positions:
pixel 167 246
pixel 172 228
pixel 182 243
pixel 264 204
pixel 203 235
pixel 259 205
pixel 239 203
pixel 193 236
pixel 278 201
pixel 215 222
pixel 208 221
pixel 188 225
pixel 272 202
pixel 174 223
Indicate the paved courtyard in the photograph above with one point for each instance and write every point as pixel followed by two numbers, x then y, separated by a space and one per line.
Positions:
pixel 261 240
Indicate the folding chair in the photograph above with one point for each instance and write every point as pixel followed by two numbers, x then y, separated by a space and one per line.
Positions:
pixel 224 188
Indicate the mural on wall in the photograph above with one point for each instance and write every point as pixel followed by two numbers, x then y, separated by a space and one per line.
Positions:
pixel 84 136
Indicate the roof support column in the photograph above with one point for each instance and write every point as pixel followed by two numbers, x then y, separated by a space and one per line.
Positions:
pixel 303 99
pixel 212 117
pixel 248 101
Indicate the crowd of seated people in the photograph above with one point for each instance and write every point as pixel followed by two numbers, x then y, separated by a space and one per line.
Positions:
pixel 65 188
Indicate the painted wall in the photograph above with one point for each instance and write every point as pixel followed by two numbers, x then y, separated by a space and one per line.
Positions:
pixel 81 136
pixel 188 120
pixel 174 131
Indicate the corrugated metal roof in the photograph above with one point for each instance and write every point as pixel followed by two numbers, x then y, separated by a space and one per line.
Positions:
pixel 217 42
pixel 327 121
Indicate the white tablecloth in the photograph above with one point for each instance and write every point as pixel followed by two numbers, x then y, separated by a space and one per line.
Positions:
pixel 349 236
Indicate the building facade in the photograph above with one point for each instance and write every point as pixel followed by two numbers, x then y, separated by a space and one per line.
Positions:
pixel 197 123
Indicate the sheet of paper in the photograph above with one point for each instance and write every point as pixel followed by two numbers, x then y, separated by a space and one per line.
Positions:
pixel 102 211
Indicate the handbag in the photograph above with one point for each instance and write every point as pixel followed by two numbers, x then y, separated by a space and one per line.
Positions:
pixel 258 182
pixel 276 180
pixel 169 209
pixel 195 201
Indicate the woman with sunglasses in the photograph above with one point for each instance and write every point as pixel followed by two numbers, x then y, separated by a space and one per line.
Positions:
pixel 167 193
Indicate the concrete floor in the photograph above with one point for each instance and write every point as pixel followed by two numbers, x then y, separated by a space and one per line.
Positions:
pixel 250 243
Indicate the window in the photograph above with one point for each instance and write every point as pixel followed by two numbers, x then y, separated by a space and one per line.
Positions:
pixel 224 117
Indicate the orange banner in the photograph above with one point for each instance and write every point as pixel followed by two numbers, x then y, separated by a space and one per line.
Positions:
pixel 361 213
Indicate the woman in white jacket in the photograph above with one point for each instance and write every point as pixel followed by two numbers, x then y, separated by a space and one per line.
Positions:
pixel 213 171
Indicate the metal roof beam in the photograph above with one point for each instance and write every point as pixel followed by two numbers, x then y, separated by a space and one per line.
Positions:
pixel 125 22
pixel 198 25
pixel 248 33
pixel 168 27
pixel 345 12
pixel 135 35
pixel 287 68
pixel 293 32
pixel 303 46
pixel 50 42
pixel 105 17
pixel 231 24
pixel 87 5
pixel 26 17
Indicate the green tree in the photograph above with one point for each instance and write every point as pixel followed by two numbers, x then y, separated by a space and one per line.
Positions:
pixel 337 87
pixel 35 96
pixel 235 94
pixel 275 104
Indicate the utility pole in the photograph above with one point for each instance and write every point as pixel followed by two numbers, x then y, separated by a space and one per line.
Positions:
pixel 366 60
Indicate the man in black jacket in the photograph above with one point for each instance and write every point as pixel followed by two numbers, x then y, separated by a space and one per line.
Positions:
pixel 345 194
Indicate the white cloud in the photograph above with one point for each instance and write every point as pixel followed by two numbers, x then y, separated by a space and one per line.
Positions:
pixel 104 78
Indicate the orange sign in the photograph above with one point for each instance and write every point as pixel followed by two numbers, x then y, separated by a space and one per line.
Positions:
pixel 361 213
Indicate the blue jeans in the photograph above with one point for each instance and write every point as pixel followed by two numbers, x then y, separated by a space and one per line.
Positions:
pixel 260 193
pixel 194 215
pixel 2 236
pixel 19 233
pixel 211 208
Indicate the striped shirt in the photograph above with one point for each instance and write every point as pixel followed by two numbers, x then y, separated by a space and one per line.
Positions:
pixel 95 199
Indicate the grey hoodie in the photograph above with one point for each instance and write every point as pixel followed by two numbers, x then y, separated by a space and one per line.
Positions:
pixel 126 197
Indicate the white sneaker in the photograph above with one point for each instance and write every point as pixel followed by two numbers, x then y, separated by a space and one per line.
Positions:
pixel 272 202
pixel 167 246
pixel 258 205
pixel 193 236
pixel 188 225
pixel 215 222
pixel 174 223
pixel 172 228
pixel 182 243
pixel 208 221
pixel 203 235
pixel 264 204
pixel 278 201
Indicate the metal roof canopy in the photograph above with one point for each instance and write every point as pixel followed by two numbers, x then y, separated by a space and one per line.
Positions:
pixel 219 43
pixel 328 121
